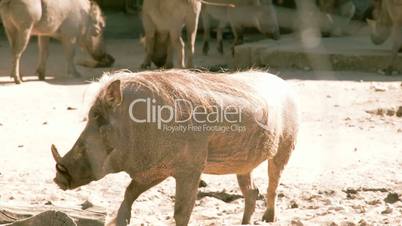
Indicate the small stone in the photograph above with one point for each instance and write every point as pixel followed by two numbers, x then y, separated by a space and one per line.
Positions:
pixel 380 89
pixel 347 119
pixel 387 210
pixel 329 96
pixel 392 198
pixel 293 204
pixel 391 112
pixel 374 202
pixel 20 146
pixel 1 124
pixel 44 123
pixel 362 222
pixel 399 131
pixel 48 203
pixel 87 204
pixel 399 112
pixel 71 108
pixel 347 223
pixel 296 223
pixel 202 184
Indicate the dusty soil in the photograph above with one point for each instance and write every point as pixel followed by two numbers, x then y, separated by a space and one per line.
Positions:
pixel 346 168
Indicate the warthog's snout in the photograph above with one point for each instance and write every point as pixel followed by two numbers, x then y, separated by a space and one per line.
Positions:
pixel 63 178
pixel 106 61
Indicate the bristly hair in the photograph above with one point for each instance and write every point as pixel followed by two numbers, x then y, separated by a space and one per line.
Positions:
pixel 205 89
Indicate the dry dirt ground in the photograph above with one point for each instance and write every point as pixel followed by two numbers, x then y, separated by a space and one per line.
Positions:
pixel 345 169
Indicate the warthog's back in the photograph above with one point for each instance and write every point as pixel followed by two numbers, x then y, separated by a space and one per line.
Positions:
pixel 273 121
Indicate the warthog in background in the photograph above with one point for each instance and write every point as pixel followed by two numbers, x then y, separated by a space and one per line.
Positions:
pixel 387 22
pixel 73 21
pixel 343 9
pixel 166 18
pixel 252 13
pixel 123 133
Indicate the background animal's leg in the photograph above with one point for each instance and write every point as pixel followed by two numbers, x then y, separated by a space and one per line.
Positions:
pixel 250 193
pixel 178 45
pixel 238 37
pixel 43 43
pixel 397 42
pixel 69 51
pixel 18 39
pixel 169 57
pixel 186 193
pixel 149 41
pixel 133 191
pixel 275 168
pixel 206 35
pixel 191 26
pixel 219 36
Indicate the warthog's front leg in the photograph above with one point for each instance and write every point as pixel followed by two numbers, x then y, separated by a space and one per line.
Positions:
pixel 133 191
pixel 43 43
pixel 219 36
pixel 150 32
pixel 178 45
pixel 191 26
pixel 250 194
pixel 187 183
pixel 69 51
pixel 206 34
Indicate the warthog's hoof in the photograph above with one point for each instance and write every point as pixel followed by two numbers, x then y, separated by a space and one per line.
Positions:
pixel 145 66
pixel 169 65
pixel 116 222
pixel 41 75
pixel 269 215
pixel 17 80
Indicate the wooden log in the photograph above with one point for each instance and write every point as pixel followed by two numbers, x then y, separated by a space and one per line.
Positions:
pixel 52 216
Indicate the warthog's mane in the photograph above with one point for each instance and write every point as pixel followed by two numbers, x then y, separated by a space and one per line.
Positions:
pixel 204 89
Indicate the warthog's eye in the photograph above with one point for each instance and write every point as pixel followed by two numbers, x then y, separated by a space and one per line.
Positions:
pixel 99 119
pixel 61 169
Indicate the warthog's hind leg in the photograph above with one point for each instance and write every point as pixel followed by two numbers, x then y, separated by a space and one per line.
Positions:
pixel 275 168
pixel 18 39
pixel 250 194
pixel 43 43
pixel 133 191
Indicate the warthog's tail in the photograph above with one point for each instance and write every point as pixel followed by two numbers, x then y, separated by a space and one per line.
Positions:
pixel 217 4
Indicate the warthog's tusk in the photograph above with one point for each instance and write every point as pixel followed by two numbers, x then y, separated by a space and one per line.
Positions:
pixel 55 154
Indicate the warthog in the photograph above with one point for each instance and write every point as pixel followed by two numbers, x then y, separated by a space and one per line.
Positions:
pixel 74 21
pixel 387 20
pixel 154 125
pixel 258 15
pixel 167 18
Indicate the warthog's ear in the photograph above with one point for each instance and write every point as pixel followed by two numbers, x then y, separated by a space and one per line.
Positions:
pixel 114 95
